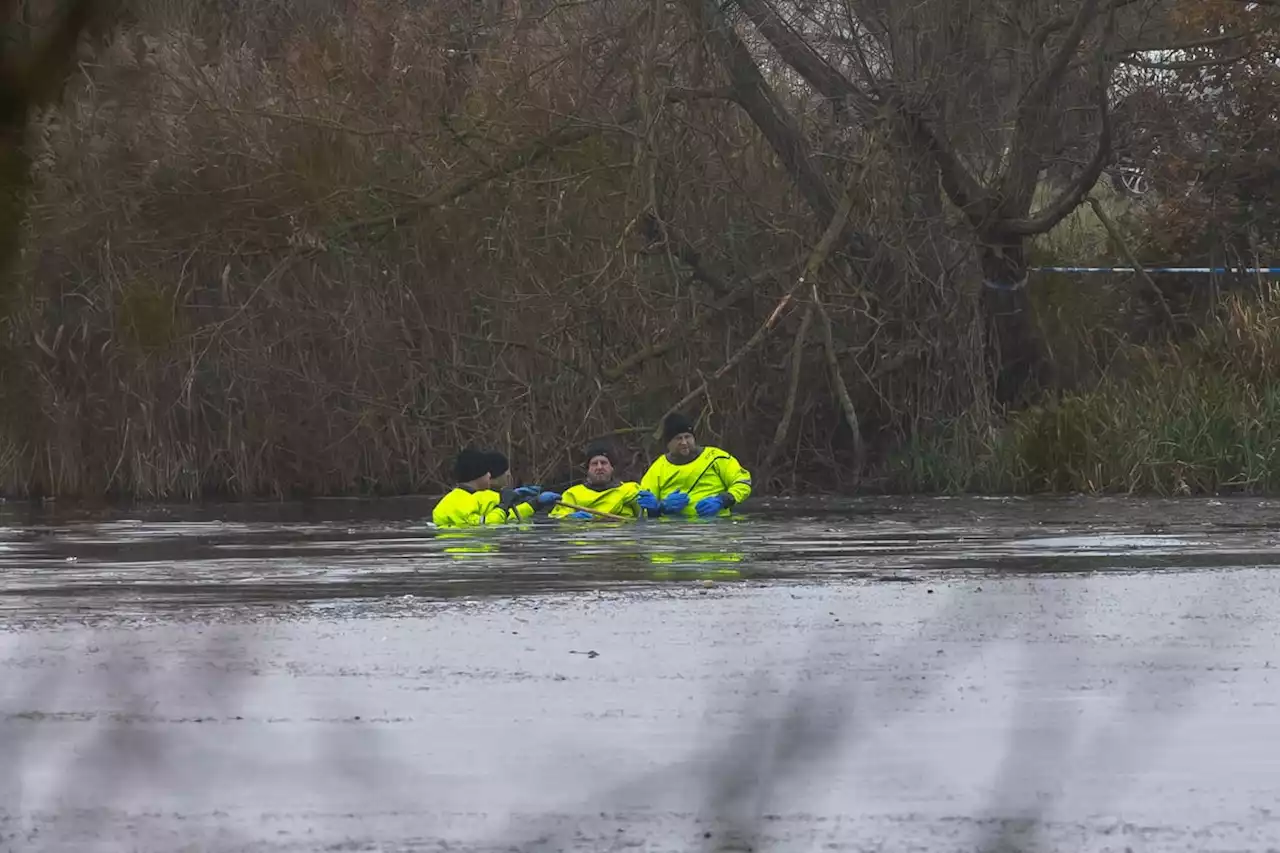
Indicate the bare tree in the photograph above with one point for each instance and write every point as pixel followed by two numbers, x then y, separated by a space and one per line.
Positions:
pixel 985 94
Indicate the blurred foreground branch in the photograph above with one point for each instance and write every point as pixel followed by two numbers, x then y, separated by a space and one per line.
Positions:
pixel 29 82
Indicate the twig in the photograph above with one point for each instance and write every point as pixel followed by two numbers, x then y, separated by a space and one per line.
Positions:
pixel 507 342
pixel 835 229
pixel 788 409
pixel 569 132
pixel 684 333
pixel 1116 237
pixel 837 381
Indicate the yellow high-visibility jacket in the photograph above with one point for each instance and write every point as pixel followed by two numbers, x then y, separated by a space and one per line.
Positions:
pixel 516 508
pixel 711 472
pixel 618 500
pixel 465 508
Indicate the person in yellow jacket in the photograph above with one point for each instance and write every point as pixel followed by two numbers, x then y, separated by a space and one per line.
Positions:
pixel 516 501
pixel 601 491
pixel 689 480
pixel 474 503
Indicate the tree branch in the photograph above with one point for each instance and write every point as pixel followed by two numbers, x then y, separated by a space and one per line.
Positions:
pixel 833 233
pixel 568 133
pixel 793 385
pixel 682 335
pixel 682 95
pixel 837 382
pixel 1071 198
pixel 760 102
pixel 1017 181
pixel 551 355
pixel 1041 35
pixel 1051 79
pixel 1116 237
pixel 797 53
pixel 961 187
pixel 660 232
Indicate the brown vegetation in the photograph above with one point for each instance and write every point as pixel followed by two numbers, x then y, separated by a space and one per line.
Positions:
pixel 279 249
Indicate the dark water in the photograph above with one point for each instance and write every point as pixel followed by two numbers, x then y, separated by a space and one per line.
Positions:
pixel 70 561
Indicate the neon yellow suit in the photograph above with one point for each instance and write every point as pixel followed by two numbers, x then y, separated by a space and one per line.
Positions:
pixel 618 500
pixel 465 508
pixel 522 511
pixel 712 472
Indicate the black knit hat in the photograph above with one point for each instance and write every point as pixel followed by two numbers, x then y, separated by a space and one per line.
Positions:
pixel 471 464
pixel 498 464
pixel 674 424
pixel 601 449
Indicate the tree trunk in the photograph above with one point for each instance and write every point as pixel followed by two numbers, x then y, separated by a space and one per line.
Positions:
pixel 1016 362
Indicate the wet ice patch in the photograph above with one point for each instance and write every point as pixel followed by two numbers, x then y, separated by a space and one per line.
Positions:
pixel 1111 543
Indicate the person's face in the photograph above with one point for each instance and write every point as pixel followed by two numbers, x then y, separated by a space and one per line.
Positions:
pixel 682 446
pixel 599 471
pixel 500 482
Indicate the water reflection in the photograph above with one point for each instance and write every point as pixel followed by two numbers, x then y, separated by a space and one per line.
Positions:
pixel 75 560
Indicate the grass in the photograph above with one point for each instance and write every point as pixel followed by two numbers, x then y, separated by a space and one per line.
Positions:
pixel 1201 417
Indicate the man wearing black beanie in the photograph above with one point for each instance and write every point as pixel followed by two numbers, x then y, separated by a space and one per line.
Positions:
pixel 689 480
pixel 473 502
pixel 602 491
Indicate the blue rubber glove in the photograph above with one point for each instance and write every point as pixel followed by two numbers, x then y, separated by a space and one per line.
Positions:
pixel 546 498
pixel 528 491
pixel 713 504
pixel 675 502
pixel 580 515
pixel 647 500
